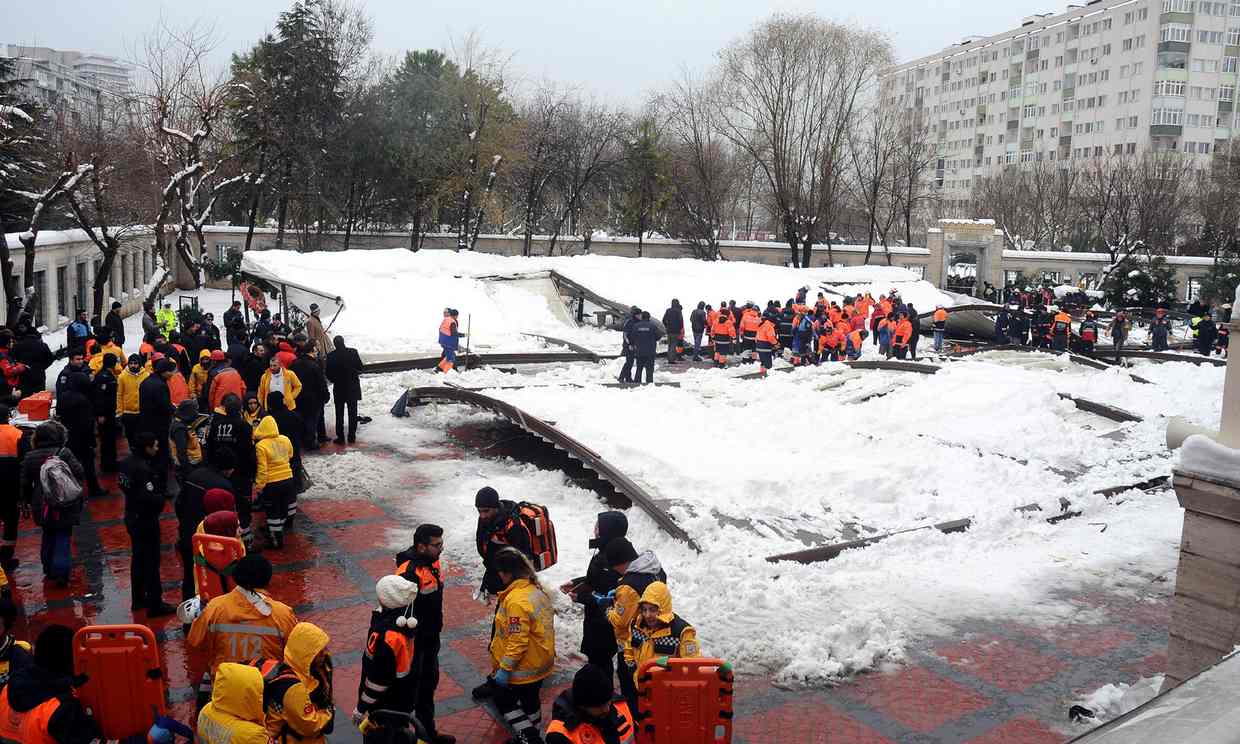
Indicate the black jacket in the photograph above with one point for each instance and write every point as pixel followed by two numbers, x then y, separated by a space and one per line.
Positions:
pixel 234 433
pixel 313 383
pixel 32 352
pixel 674 320
pixel 252 369
pixel 189 508
pixel 644 335
pixel 505 531
pixel 344 370
pixel 30 685
pixel 104 393
pixel 697 320
pixel 74 405
pixel 114 323
pixel 32 491
pixel 597 635
pixel 428 607
pixel 144 494
pixel 155 407
pixel 234 326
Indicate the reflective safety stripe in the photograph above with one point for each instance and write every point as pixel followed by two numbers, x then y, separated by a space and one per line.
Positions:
pixel 541 671
pixel 367 699
pixel 263 630
pixel 376 688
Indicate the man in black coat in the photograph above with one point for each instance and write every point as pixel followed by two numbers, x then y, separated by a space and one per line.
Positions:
pixel 30 350
pixel 626 372
pixel 116 324
pixel 234 325
pixel 644 335
pixel 144 502
pixel 76 410
pixel 598 638
pixel 254 365
pixel 155 409
pixel 344 370
pixel 103 396
pixel 697 321
pixel 313 396
pixel 674 324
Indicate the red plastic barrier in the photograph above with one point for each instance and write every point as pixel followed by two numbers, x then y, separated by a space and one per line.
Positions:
pixel 124 687
pixel 685 701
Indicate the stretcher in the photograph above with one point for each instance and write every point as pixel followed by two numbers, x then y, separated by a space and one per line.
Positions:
pixel 214 558
pixel 124 689
pixel 684 701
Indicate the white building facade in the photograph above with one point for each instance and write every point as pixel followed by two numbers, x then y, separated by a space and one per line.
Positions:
pixel 76 85
pixel 1101 78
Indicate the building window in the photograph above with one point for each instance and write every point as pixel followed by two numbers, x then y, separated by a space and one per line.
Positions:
pixel 1050 276
pixel 1178 6
pixel 80 296
pixel 1175 32
pixel 40 286
pixel 1194 289
pixel 1010 278
pixel 62 290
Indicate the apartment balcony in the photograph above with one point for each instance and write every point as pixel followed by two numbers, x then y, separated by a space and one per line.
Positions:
pixel 1166 130
pixel 1065 141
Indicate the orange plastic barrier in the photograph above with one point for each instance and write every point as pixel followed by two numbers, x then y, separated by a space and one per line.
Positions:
pixel 124 688
pixel 213 559
pixel 685 701
pixel 37 407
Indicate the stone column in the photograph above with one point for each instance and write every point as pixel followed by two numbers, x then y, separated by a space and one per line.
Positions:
pixel 936 265
pixel 116 286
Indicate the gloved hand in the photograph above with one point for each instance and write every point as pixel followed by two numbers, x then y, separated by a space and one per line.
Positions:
pixel 159 735
pixel 501 677
pixel 604 600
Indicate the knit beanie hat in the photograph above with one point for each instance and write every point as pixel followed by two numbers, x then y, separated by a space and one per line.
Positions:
pixel 252 572
pixel 620 551
pixel 395 591
pixel 53 650
pixel 487 498
pixel 221 523
pixel 218 499
pixel 592 686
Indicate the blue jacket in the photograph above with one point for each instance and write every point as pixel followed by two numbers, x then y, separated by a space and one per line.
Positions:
pixel 644 334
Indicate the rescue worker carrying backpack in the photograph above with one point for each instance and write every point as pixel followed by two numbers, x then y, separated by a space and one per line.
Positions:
pixel 588 713
pixel 297 692
pixel 524 526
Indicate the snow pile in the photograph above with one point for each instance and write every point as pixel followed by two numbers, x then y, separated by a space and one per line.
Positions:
pixel 1114 700
pixel 1201 455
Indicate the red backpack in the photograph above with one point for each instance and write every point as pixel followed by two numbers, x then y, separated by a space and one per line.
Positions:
pixel 536 520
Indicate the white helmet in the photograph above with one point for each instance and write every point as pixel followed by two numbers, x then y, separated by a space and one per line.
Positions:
pixel 189 610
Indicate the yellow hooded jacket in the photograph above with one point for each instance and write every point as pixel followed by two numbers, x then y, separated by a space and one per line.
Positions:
pixel 523 635
pixel 235 713
pixel 127 384
pixel 297 712
pixel 273 451
pixel 673 637
pixel 96 361
pixel 292 388
pixel 232 629
pixel 198 375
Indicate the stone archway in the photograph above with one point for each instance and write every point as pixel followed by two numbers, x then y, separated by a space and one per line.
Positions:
pixel 967 251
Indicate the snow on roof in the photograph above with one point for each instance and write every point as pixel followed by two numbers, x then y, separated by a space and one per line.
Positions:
pixel 989 222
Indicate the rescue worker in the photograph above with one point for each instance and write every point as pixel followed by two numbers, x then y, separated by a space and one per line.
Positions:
pixel 658 631
pixel 39 705
pixel 419 564
pixel 98 360
pixel 722 333
pixel 1119 332
pixel 166 318
pixel 386 692
pixel 230 450
pixel 750 322
pixel 1001 326
pixel 241 625
pixel 273 478
pixel 1061 329
pixel 297 692
pixel 1018 329
pixel 1089 333
pixel 802 338
pixel 499 526
pixel 279 379
pixel 1160 330
pixel 697 323
pixel 884 331
pixel 235 714
pixel 765 343
pixel 10 646
pixel 522 646
pixel 144 502
pixel 198 378
pixel 449 340
pixel 940 327
pixel 901 333
pixel 12 449
pixel 127 401
pixel 598 640
pixel 103 399
pixel 587 714
pixel 784 326
pixel 184 441
pixel 854 344
pixel 636 573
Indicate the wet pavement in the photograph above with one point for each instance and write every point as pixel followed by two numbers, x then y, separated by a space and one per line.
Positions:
pixel 985 683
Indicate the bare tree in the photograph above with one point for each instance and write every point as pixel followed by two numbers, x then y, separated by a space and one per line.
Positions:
pixel 913 165
pixel 872 151
pixel 539 155
pixel 792 87
pixel 591 149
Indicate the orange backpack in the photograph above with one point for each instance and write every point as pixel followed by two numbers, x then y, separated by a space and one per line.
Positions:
pixel 537 522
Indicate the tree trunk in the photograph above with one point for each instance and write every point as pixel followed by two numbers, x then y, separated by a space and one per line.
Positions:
pixel 282 207
pixel 807 249
pixel 254 203
pixel 790 235
pixel 28 251
pixel 101 276
pixel 348 214
pixel 869 246
pixel 908 228
pixel 830 254
pixel 12 297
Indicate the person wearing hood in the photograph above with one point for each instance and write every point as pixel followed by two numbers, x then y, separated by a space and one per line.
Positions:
pixel 273 479
pixel 313 398
pixel 223 381
pixel 75 409
pixel 419 564
pixel 297 692
pixel 57 523
pixel 103 399
pixel 344 369
pixel 499 526
pixel 251 409
pixel 658 631
pixel 144 502
pixel 588 711
pixel 386 693
pixel 198 377
pixel 243 624
pixel 183 439
pixel 598 640
pixel 128 384
pixel 522 646
pixel 39 703
pixel 636 573
pixel 235 714
pixel 277 379
pixel 674 324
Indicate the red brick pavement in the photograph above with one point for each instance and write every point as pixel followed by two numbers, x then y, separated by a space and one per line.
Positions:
pixel 991 684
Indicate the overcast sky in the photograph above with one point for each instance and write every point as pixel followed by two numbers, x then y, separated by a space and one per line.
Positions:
pixel 622 49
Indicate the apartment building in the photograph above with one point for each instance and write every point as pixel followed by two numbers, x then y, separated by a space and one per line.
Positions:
pixel 1103 77
pixel 73 84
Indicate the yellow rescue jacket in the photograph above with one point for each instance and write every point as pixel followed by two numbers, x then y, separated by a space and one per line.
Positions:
pixel 523 634
pixel 297 713
pixel 127 384
pixel 292 388
pixel 672 636
pixel 232 629
pixel 235 713
pixel 198 375
pixel 96 361
pixel 274 453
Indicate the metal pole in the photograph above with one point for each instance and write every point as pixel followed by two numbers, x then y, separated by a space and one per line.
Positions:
pixel 1229 427
pixel 469 324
